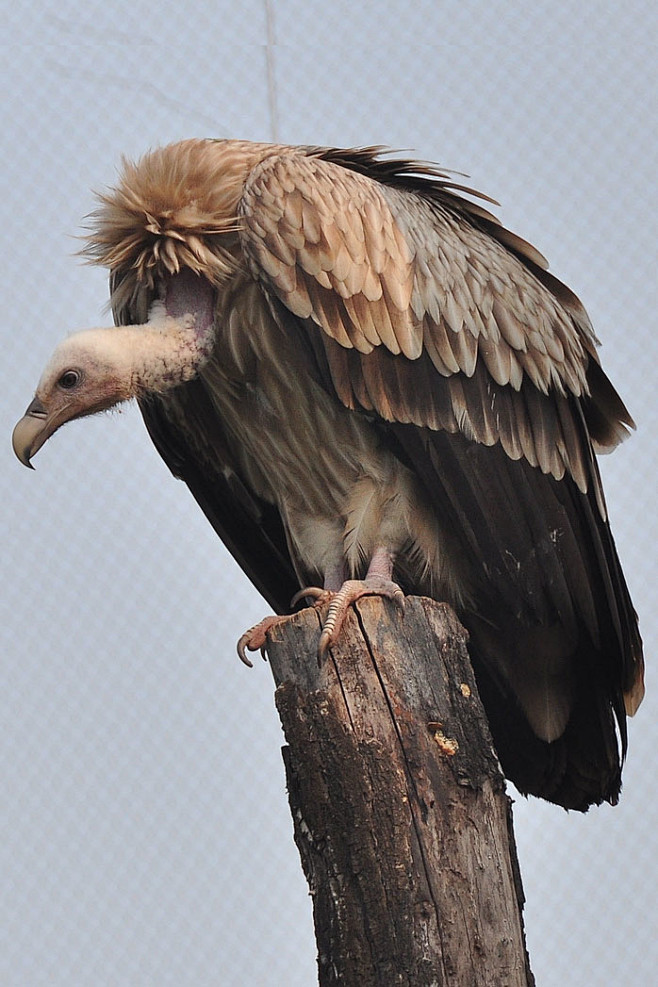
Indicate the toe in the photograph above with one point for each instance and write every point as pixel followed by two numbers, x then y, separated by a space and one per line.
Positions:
pixel 255 639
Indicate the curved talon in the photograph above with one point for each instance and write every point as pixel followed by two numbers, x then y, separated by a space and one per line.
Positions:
pixel 324 643
pixel 242 649
pixel 313 591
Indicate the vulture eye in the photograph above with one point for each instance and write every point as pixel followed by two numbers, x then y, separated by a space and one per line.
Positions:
pixel 69 379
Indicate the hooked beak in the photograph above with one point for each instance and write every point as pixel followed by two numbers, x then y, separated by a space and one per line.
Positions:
pixel 34 428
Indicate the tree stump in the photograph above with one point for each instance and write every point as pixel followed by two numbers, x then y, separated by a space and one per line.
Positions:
pixel 398 802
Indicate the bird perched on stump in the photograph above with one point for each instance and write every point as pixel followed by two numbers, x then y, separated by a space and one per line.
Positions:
pixel 371 386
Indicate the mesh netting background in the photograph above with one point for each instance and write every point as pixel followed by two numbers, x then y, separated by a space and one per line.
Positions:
pixel 145 829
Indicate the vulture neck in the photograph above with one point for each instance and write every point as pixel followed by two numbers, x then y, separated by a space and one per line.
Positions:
pixel 178 338
pixel 164 352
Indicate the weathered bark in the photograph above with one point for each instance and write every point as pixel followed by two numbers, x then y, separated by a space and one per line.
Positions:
pixel 398 802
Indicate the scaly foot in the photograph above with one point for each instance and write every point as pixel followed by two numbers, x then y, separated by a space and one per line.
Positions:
pixel 340 601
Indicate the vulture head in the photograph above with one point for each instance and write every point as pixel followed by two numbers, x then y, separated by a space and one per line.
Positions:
pixel 173 228
pixel 96 369
pixel 86 373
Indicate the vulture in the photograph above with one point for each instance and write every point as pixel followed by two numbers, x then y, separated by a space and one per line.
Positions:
pixel 371 386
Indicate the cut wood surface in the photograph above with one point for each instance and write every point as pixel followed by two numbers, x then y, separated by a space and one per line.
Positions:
pixel 398 802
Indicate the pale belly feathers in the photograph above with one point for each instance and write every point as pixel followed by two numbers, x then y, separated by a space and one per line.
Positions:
pixel 340 491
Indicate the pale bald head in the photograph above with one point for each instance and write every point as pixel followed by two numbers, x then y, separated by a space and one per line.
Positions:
pixel 96 369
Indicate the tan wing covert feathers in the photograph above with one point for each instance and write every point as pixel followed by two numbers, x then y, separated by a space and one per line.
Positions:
pixel 382 269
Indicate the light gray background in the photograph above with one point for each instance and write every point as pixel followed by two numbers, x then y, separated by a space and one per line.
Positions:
pixel 145 831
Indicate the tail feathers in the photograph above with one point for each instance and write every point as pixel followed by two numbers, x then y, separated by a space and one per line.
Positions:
pixel 581 767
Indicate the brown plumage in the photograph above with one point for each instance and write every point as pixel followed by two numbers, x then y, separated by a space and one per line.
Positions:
pixel 361 373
